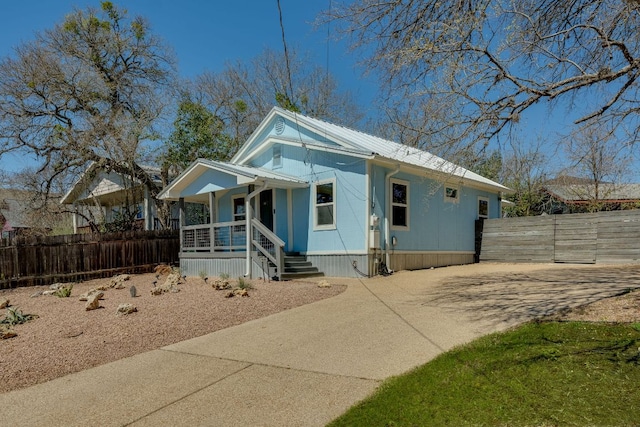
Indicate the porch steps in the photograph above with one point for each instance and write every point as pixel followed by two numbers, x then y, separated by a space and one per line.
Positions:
pixel 296 266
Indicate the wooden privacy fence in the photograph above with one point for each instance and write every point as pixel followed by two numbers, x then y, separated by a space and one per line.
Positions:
pixel 602 237
pixel 28 261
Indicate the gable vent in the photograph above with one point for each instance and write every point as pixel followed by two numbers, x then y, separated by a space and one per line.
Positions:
pixel 279 126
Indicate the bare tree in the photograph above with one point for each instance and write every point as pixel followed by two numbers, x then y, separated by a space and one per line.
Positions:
pixel 87 90
pixel 468 70
pixel 600 165
pixel 525 170
pixel 243 93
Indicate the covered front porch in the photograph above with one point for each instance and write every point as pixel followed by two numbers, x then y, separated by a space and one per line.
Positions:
pixel 229 218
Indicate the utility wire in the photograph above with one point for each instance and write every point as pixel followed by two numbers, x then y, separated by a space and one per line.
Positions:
pixel 286 55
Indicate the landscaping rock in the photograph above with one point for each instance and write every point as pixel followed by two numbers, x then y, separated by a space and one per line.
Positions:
pixel 324 284
pixel 93 302
pixel 49 292
pixel 221 285
pixel 172 280
pixel 6 333
pixel 163 269
pixel 124 309
pixel 170 285
pixel 241 292
pixel 4 303
pixel 87 295
pixel 117 281
pixel 37 294
pixel 230 295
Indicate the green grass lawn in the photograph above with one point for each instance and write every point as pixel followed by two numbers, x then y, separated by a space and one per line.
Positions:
pixel 540 374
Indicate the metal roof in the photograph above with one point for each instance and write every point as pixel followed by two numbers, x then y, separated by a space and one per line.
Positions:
pixel 386 149
pixel 252 172
pixel 244 175
pixel 606 191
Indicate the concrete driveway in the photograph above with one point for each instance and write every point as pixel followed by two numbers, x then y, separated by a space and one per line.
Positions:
pixel 305 366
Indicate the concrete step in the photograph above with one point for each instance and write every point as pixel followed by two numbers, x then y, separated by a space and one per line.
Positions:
pixel 290 276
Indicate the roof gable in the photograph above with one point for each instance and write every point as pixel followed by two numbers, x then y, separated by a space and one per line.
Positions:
pixel 318 134
pixel 205 176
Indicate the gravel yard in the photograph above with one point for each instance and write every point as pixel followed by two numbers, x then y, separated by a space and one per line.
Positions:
pixel 67 338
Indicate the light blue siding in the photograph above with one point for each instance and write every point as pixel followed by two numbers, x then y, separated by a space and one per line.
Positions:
pixel 210 181
pixel 296 132
pixel 434 224
pixel 349 200
pixel 225 213
pixel 281 220
pixel 292 131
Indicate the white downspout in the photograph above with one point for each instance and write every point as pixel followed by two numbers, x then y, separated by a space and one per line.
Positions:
pixel 387 231
pixel 249 216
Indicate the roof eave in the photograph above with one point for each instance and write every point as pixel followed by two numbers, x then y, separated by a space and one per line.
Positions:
pixel 443 176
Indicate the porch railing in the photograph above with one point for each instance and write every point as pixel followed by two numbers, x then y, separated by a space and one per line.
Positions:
pixel 270 245
pixel 232 236
pixel 227 236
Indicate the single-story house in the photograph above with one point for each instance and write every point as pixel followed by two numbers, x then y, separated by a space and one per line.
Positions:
pixel 584 197
pixel 316 197
pixel 101 195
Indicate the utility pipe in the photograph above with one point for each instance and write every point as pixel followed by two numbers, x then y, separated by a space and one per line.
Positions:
pixel 248 216
pixel 387 231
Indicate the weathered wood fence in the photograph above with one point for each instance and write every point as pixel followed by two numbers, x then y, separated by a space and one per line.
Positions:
pixel 603 237
pixel 28 261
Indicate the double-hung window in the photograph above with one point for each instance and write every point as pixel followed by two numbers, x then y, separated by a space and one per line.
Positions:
pixel 483 207
pixel 399 204
pixel 238 208
pixel 324 205
pixel 276 160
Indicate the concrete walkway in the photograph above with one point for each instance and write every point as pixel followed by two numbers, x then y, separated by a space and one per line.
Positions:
pixel 306 366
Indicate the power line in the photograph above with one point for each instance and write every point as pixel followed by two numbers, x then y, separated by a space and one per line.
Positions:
pixel 286 54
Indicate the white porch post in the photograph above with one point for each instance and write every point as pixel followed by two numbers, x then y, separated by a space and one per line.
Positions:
pixel 182 218
pixel 249 215
pixel 148 215
pixel 290 219
pixel 212 207
pixel 74 219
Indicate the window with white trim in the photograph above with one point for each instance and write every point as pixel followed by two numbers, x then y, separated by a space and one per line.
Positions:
pixel 276 161
pixel 451 194
pixel 483 207
pixel 324 206
pixel 399 204
pixel 238 208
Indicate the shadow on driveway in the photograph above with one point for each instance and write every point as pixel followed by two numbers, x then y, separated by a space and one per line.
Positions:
pixel 519 297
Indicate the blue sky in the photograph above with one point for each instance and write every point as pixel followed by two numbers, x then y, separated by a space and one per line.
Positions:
pixel 205 34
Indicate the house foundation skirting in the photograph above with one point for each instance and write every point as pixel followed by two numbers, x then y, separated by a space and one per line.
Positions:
pixel 340 265
pixel 332 265
pixel 420 260
pixel 197 264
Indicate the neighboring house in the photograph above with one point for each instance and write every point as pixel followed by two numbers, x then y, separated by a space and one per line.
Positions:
pixel 101 196
pixel 18 216
pixel 583 197
pixel 344 202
